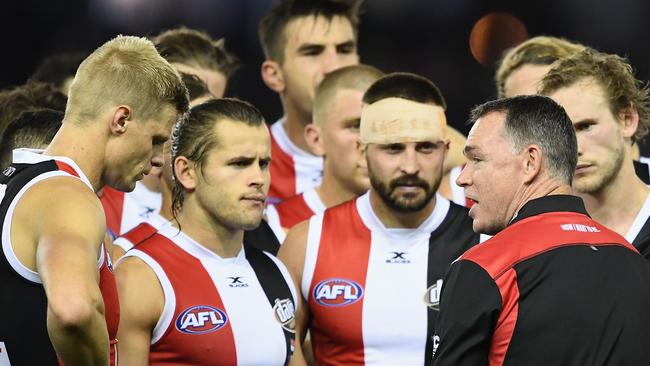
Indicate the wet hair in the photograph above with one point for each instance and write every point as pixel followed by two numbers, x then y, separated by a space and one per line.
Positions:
pixel 272 27
pixel 195 135
pixel 535 119
pixel 406 86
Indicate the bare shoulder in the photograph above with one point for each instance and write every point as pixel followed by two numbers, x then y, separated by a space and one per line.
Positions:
pixel 65 196
pixel 141 294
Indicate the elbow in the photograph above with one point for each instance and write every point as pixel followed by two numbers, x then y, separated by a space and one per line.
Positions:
pixel 75 313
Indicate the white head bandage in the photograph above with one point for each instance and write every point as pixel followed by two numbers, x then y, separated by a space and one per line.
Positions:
pixel 394 120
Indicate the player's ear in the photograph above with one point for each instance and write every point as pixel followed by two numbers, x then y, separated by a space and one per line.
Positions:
pixel 629 118
pixel 120 119
pixel 314 138
pixel 532 162
pixel 273 76
pixel 185 172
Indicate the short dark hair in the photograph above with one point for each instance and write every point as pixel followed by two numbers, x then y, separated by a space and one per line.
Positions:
pixel 196 49
pixel 58 67
pixel 406 86
pixel 31 95
pixel 196 87
pixel 273 24
pixel 535 119
pixel 32 129
pixel 194 136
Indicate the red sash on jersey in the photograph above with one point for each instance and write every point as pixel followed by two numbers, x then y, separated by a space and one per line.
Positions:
pixel 197 302
pixel 336 291
pixel 283 174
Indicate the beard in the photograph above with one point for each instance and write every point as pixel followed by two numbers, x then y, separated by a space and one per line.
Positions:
pixel 607 173
pixel 409 202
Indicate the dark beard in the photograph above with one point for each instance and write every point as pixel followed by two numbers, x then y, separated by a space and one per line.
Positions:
pixel 398 203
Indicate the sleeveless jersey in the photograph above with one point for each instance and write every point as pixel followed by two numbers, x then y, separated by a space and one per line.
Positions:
pixel 639 232
pixel 217 311
pixel 262 237
pixel 373 292
pixel 23 333
pixel 125 210
pixel 293 211
pixel 293 170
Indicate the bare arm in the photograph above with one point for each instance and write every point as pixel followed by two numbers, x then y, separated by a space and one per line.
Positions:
pixel 141 303
pixel 68 231
pixel 292 254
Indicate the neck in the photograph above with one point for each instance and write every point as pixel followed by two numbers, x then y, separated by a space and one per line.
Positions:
pixel 200 226
pixel 166 207
pixel 546 186
pixel 332 191
pixel 83 151
pixel 152 182
pixel 398 219
pixel 606 207
pixel 295 122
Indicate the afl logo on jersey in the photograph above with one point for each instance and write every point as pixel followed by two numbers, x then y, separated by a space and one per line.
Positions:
pixel 432 296
pixel 201 319
pixel 337 292
pixel 285 314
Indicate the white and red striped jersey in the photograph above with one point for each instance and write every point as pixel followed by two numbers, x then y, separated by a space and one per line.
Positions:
pixel 293 211
pixel 125 210
pixel 372 291
pixel 293 170
pixel 217 311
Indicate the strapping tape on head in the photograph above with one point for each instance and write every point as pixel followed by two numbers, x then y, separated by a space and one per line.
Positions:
pixel 394 120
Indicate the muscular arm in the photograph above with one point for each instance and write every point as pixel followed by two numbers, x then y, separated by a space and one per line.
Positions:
pixel 292 254
pixel 141 303
pixel 68 230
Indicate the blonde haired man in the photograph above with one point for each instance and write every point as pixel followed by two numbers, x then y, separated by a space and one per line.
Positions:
pixel 122 104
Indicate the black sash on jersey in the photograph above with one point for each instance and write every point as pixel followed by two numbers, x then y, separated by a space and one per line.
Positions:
pixel 262 238
pixel 23 304
pixel 274 285
pixel 451 239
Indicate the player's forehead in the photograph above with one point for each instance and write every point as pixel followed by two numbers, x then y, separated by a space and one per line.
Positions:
pixel 319 30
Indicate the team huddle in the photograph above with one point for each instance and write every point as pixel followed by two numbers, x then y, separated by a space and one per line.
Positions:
pixel 148 220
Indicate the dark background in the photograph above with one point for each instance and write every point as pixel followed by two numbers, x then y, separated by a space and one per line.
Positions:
pixel 429 37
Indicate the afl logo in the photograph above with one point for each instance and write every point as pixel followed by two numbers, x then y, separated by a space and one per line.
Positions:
pixel 337 292
pixel 201 319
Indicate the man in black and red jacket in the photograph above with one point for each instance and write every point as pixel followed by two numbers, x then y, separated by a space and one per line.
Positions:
pixel 553 286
